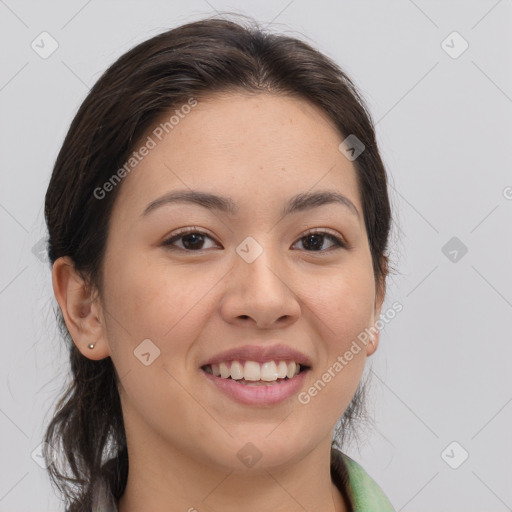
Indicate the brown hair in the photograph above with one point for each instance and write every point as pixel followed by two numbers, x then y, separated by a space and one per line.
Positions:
pixel 193 60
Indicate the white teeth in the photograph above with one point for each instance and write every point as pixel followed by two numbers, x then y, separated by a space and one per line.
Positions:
pixel 292 367
pixel 236 370
pixel 224 371
pixel 268 371
pixel 252 371
pixel 282 370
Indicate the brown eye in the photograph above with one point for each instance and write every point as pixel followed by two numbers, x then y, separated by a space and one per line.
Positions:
pixel 314 241
pixel 191 241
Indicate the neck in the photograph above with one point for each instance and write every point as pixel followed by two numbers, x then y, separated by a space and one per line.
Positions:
pixel 168 480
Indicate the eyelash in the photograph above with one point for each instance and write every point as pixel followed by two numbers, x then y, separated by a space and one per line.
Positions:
pixel 339 243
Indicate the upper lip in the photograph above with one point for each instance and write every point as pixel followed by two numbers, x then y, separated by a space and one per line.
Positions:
pixel 277 352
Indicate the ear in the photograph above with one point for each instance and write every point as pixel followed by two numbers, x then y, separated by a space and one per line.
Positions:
pixel 82 314
pixel 371 347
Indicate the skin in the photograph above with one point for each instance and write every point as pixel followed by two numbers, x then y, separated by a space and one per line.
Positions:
pixel 183 435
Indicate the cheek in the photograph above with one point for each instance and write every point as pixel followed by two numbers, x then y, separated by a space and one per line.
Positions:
pixel 341 309
pixel 344 306
pixel 154 300
pixel 148 302
pixel 161 303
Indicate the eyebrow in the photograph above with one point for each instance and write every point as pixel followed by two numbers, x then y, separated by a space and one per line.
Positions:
pixel 298 203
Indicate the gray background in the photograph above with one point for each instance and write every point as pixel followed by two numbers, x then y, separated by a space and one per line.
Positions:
pixel 442 371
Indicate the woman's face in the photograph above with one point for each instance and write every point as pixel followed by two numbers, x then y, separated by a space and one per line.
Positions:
pixel 249 279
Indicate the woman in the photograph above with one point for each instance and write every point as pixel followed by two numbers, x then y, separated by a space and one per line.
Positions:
pixel 218 222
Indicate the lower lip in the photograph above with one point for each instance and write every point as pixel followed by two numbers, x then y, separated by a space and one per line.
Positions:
pixel 260 394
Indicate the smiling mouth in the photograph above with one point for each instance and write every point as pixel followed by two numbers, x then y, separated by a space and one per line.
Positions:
pixel 252 373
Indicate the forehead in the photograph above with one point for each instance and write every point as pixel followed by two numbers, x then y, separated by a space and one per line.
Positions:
pixel 265 143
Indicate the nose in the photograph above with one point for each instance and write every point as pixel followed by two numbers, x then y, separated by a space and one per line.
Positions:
pixel 260 292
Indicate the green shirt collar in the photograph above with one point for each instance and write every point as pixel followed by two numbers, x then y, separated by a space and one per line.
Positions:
pixel 357 486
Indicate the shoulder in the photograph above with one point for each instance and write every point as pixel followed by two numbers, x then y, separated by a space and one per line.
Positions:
pixel 360 488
